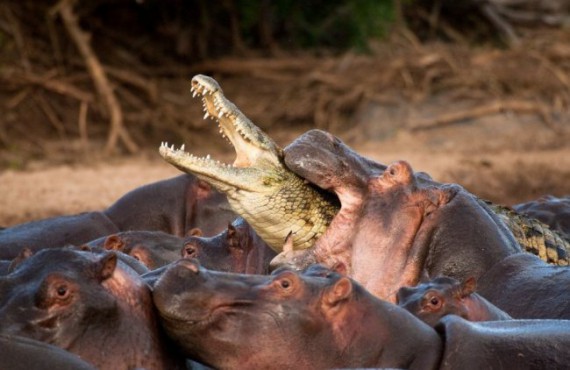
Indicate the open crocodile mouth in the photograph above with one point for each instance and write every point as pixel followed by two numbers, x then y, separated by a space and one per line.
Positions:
pixel 250 143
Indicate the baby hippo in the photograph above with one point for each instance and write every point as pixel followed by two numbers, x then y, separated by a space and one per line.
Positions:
pixel 444 296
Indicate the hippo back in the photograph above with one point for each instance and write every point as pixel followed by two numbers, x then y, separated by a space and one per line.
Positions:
pixel 527 288
pixel 515 344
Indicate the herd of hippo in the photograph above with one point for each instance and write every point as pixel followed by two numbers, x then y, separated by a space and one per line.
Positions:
pixel 306 257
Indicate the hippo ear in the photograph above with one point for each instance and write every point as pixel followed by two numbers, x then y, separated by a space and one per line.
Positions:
pixel 195 232
pixel 106 265
pixel 339 292
pixel 340 268
pixel 403 293
pixel 114 243
pixel 468 286
pixel 24 254
pixel 142 255
pixel 288 245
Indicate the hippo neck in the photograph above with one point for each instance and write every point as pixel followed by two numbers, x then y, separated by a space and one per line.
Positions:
pixel 485 240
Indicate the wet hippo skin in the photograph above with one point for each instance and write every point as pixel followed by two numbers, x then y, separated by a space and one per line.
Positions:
pixel 287 320
pixel 442 296
pixel 175 206
pixel 88 304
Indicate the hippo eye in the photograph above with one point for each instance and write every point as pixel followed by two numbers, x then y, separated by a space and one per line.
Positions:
pixel 285 284
pixel 189 252
pixel 61 291
pixel 434 301
pixel 392 171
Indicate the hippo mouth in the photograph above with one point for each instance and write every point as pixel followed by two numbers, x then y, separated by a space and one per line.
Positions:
pixel 205 319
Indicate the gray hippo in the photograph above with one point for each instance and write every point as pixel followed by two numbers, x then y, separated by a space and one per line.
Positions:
pixel 319 319
pixel 175 206
pixel 88 304
pixel 287 320
pixel 442 296
pixel 395 225
pixel 54 232
pixel 154 249
pixel 236 249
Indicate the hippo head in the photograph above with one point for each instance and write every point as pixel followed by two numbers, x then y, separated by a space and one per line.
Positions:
pixel 408 226
pixel 251 321
pixel 49 295
pixel 439 297
pixel 237 249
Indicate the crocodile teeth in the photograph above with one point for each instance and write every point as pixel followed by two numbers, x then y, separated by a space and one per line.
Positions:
pixel 206 115
pixel 182 147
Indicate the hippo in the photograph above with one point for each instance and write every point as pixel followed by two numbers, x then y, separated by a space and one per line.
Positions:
pixel 443 296
pixel 237 249
pixel 394 225
pixel 54 232
pixel 20 353
pixel 154 249
pixel 511 344
pixel 303 321
pixel 175 206
pixel 88 304
pixel 553 211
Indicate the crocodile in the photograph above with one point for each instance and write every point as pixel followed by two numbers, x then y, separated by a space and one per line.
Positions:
pixel 276 201
pixel 257 183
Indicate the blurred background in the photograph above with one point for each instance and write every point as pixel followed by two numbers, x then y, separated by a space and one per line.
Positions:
pixel 474 91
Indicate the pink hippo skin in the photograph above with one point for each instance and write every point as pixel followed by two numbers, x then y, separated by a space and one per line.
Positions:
pixel 446 296
pixel 393 224
pixel 87 304
pixel 174 206
pixel 288 321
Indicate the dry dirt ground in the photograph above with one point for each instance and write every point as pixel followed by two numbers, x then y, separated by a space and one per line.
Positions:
pixel 504 157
